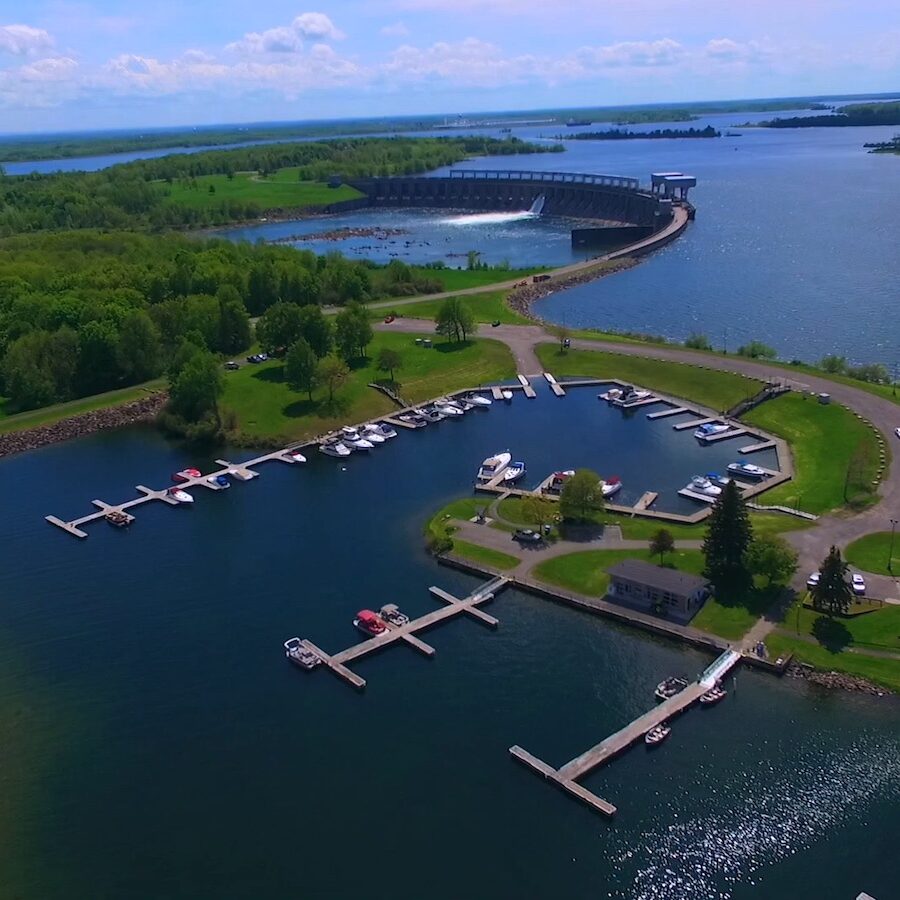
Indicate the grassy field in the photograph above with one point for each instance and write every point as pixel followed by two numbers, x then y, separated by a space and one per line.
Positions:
pixel 266 408
pixel 717 390
pixel 48 415
pixel 484 555
pixel 875 630
pixel 462 279
pixel 282 190
pixel 870 553
pixel 489 307
pixel 823 440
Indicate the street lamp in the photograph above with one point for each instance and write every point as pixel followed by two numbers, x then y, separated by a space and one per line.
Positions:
pixel 891 551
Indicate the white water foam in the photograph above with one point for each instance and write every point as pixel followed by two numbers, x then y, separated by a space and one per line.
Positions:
pixel 489 218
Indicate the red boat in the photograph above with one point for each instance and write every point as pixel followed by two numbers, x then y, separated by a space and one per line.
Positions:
pixel 370 623
pixel 186 475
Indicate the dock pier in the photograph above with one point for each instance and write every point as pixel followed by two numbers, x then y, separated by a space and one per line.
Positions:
pixel 529 391
pixel 672 411
pixel 555 386
pixel 407 633
pixel 566 777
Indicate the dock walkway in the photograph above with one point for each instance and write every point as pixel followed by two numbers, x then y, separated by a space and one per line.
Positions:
pixel 555 386
pixel 530 392
pixel 567 775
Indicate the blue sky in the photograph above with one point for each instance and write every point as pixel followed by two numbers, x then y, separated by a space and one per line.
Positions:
pixel 106 63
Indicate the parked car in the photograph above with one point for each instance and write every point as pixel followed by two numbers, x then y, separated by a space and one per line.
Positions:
pixel 253 359
pixel 527 536
pixel 389 319
pixel 813 580
pixel 495 323
pixel 858 583
pixel 231 365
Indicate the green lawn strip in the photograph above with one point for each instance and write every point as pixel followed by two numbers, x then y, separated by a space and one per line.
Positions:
pixel 716 390
pixel 442 523
pixel 280 191
pixel 489 307
pixel 732 620
pixel 878 629
pixel 266 408
pixel 462 279
pixel 879 670
pixel 870 553
pixel 48 415
pixel 823 440
pixel 491 558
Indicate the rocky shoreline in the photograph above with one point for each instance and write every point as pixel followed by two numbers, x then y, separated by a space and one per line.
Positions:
pixel 142 410
pixel 835 680
pixel 522 299
pixel 343 234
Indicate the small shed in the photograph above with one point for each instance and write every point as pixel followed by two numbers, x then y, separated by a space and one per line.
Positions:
pixel 639 583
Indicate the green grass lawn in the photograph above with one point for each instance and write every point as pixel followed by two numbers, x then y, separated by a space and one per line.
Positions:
pixel 716 390
pixel 870 553
pixel 48 415
pixel 494 559
pixel 878 629
pixel 732 620
pixel 462 279
pixel 489 307
pixel 282 190
pixel 823 440
pixel 267 409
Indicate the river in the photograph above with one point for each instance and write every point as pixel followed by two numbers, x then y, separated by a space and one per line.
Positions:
pixel 157 743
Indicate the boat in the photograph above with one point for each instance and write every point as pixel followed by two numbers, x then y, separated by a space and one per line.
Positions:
pixel 462 404
pixel 558 479
pixel 448 410
pixel 612 395
pixel 635 396
pixel 118 519
pixel 748 470
pixel 713 695
pixel 670 687
pixel 390 612
pixel 300 655
pixel 413 418
pixel 220 481
pixel 372 433
pixel 717 478
pixel 429 414
pixel 709 429
pixel 514 471
pixel 385 430
pixel 295 456
pixel 612 486
pixel 479 400
pixel 506 395
pixel 241 474
pixel 186 475
pixel 494 465
pixel 370 623
pixel 657 735
pixel 574 123
pixel 700 484
pixel 334 448
pixel 354 441
pixel 179 496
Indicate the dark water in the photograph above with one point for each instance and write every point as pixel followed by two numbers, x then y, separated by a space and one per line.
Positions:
pixel 157 744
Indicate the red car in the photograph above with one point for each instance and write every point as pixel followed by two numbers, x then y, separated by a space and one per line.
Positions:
pixel 389 319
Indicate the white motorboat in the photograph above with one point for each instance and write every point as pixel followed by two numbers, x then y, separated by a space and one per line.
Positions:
pixel 219 481
pixel 612 486
pixel 391 613
pixel 334 448
pixel 295 455
pixel 494 465
pixel 634 396
pixel 700 484
pixel 356 442
pixel 385 430
pixel 462 403
pixel 179 495
pixel 558 479
pixel 430 414
pixel 371 433
pixel 710 429
pixel 713 695
pixel 748 470
pixel 413 418
pixel 448 410
pixel 612 395
pixel 506 395
pixel 478 400
pixel 716 478
pixel 514 471
pixel 348 431
pixel 242 474
pixel 300 655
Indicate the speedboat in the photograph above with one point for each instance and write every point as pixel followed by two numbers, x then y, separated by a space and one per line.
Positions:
pixel 514 471
pixel 118 519
pixel 713 695
pixel 187 475
pixel 384 430
pixel 709 429
pixel 657 735
pixel 716 478
pixel 355 442
pixel 494 465
pixel 370 623
pixel 612 395
pixel 334 448
pixel 241 474
pixel 448 410
pixel 748 470
pixel 506 395
pixel 371 433
pixel 300 655
pixel 670 687
pixel 180 496
pixel 390 612
pixel 295 455
pixel 634 396
pixel 558 479
pixel 430 414
pixel 481 400
pixel 612 486
pixel 413 418
pixel 700 484
pixel 220 481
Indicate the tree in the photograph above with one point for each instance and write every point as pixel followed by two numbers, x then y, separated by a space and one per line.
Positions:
pixel 582 493
pixel 194 392
pixel 29 381
pixel 300 367
pixel 388 360
pixel 333 373
pixel 833 594
pixel 234 321
pixel 538 510
pixel 757 350
pixel 562 334
pixel 353 331
pixel 279 326
pixel 139 352
pixel 728 537
pixel 698 341
pixel 454 320
pixel 316 330
pixel 662 543
pixel 771 556
pixel 835 365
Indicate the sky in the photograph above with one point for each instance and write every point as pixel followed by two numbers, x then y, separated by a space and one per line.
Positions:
pixel 70 65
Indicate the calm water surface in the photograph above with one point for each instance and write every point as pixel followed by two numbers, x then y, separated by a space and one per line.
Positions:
pixel 157 744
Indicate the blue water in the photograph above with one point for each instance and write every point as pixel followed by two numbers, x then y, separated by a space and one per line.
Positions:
pixel 157 744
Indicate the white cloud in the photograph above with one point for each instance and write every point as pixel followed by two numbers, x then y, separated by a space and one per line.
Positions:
pixel 287 38
pixel 23 40
pixel 52 68
pixel 637 54
pixel 726 50
pixel 398 29
pixel 468 62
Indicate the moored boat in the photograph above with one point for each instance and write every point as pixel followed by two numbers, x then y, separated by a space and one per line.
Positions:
pixel 355 441
pixel 448 410
pixel 493 466
pixel 710 429
pixel 713 695
pixel 241 474
pixel 180 496
pixel 413 418
pixel 507 395
pixel 334 448
pixel 369 623
pixel 635 396
pixel 295 455
pixel 514 471
pixel 118 519
pixel 300 655
pixel 186 475
pixel 657 735
pixel 371 433
pixel 385 430
pixel 390 612
pixel 716 478
pixel 612 486
pixel 220 481
pixel 670 687
pixel 479 400
pixel 748 470
pixel 558 479
pixel 430 414
pixel 700 484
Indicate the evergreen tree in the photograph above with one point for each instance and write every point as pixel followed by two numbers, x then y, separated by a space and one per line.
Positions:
pixel 833 594
pixel 728 537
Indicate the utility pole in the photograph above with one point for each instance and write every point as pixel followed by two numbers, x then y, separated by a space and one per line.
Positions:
pixel 890 564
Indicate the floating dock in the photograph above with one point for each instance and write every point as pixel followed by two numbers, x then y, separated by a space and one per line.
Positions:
pixel 407 633
pixel 754 448
pixel 566 776
pixel 496 392
pixel 530 392
pixel 695 423
pixel 723 435
pixel 673 411
pixel 555 386
pixel 648 498
pixel 397 423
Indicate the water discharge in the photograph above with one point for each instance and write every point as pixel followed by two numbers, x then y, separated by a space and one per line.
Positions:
pixel 497 218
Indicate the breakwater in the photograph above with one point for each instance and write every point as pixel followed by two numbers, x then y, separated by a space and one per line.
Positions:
pixel 142 410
